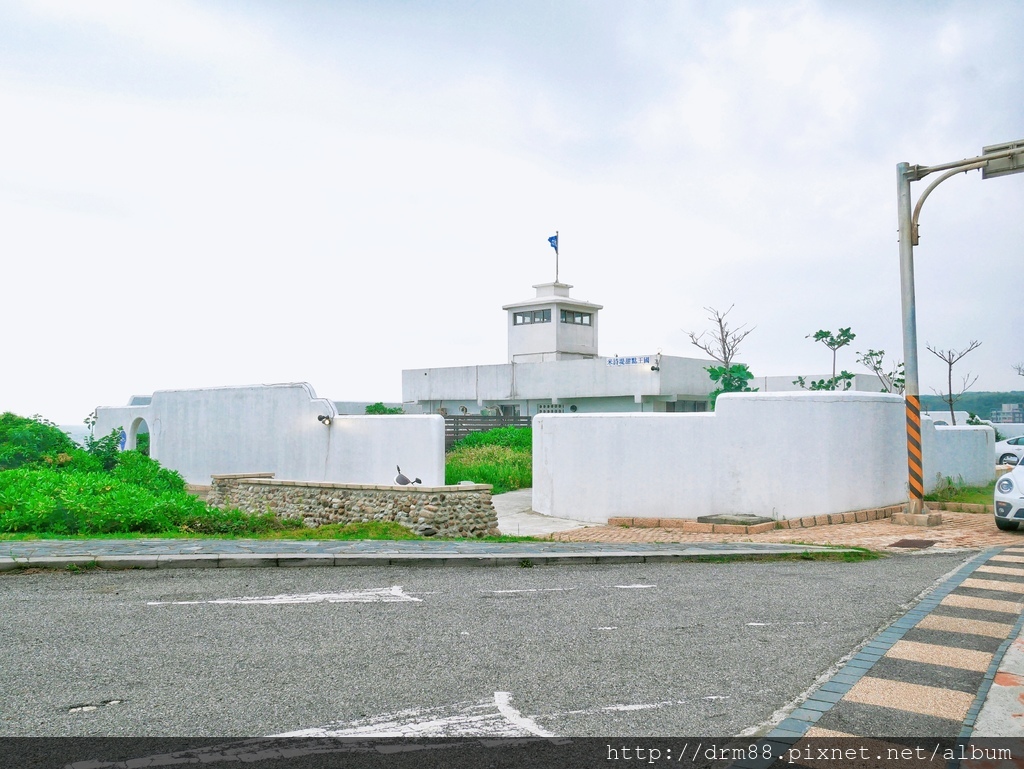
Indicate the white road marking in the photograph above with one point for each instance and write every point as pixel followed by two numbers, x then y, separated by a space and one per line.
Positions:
pixel 493 717
pixel 609 627
pixel 758 624
pixel 502 700
pixel 632 587
pixel 393 594
pixel 533 590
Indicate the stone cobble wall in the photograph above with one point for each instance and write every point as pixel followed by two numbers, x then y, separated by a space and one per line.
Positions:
pixel 446 511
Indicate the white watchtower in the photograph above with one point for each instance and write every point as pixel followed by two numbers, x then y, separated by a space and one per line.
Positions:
pixel 551 326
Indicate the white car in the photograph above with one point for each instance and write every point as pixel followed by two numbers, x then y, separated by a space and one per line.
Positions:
pixel 1009 499
pixel 1010 451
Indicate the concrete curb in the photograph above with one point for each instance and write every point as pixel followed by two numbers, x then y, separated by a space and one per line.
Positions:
pixel 521 558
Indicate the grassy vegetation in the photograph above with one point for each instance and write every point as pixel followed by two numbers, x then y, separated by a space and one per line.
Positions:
pixel 951 490
pixel 853 555
pixel 502 457
pixel 52 488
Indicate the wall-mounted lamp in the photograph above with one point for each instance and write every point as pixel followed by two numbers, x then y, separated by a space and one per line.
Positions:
pixel 325 419
pixel 655 368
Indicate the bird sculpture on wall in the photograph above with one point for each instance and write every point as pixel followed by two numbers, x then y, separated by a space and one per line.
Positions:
pixel 404 480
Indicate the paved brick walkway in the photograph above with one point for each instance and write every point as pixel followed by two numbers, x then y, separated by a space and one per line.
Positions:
pixel 974 531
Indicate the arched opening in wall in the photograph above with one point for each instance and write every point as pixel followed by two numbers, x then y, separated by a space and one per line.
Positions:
pixel 138 436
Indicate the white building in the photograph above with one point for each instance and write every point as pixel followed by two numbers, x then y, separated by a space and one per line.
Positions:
pixel 554 367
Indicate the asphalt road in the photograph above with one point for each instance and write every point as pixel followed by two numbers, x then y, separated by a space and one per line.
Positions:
pixel 638 649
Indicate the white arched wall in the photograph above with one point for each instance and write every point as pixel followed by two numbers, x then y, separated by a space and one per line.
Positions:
pixel 277 429
pixel 132 433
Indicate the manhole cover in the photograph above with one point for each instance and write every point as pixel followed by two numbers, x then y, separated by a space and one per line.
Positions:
pixel 740 519
pixel 914 544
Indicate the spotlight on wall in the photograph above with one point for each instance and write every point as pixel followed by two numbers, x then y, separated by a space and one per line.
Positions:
pixel 655 368
pixel 325 419
pixel 463 409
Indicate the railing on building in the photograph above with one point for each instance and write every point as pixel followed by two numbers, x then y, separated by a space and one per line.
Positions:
pixel 459 426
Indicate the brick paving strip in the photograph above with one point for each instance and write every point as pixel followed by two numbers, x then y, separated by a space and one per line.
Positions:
pixel 928 674
pixel 958 531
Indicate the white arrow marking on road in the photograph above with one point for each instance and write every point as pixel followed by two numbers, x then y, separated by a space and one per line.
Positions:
pixel 393 594
pixel 502 700
pixel 483 718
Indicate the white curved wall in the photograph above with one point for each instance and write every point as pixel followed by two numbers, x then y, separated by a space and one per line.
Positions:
pixel 786 455
pixel 274 428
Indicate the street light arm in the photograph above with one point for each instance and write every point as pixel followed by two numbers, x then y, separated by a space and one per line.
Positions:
pixel 928 190
pixel 917 173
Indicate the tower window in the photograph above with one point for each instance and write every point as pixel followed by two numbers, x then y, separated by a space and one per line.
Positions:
pixel 531 316
pixel 577 318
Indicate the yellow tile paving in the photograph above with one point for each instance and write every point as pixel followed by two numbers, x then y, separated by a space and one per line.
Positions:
pixel 913 698
pixel 986 604
pixel 961 625
pixel 947 656
pixel 1019 572
pixel 816 731
pixel 992 584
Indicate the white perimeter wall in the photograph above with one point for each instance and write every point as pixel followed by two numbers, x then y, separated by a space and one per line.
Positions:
pixel 786 455
pixel 274 428
pixel 964 454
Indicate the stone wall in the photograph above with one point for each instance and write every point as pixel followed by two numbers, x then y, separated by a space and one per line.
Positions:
pixel 446 511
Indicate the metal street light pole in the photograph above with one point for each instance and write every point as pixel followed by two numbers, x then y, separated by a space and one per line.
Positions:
pixel 997 160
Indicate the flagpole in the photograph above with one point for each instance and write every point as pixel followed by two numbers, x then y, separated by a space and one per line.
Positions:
pixel 556 255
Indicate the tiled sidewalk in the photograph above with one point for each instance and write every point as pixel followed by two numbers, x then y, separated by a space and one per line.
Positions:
pixel 975 531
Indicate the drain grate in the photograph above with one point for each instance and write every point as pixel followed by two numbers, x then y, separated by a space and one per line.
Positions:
pixel 914 544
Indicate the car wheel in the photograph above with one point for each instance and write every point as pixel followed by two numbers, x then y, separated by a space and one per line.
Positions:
pixel 1006 459
pixel 1006 525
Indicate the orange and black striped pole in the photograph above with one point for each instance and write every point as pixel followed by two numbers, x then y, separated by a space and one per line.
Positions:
pixel 915 471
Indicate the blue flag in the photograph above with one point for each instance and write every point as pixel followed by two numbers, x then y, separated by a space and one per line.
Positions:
pixel 553 240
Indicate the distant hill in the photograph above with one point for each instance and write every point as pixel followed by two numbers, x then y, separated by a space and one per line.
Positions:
pixel 980 403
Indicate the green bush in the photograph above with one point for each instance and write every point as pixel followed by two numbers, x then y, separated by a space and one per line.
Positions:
pixel 139 470
pixel 379 408
pixel 48 485
pixel 37 442
pixel 78 502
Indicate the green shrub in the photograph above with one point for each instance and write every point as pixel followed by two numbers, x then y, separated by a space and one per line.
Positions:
pixel 138 469
pixel 379 408
pixel 37 442
pixel 506 469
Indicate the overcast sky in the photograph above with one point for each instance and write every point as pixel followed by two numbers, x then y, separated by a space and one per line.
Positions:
pixel 227 193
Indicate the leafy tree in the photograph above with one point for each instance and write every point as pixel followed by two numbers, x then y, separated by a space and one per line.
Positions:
pixel 379 408
pixel 842 381
pixel 894 380
pixel 950 358
pixel 721 342
pixel 730 379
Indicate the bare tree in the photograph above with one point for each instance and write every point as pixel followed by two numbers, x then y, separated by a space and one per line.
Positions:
pixel 1019 368
pixel 721 342
pixel 951 357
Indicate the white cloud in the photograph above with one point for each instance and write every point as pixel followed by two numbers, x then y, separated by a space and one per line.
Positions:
pixel 210 194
